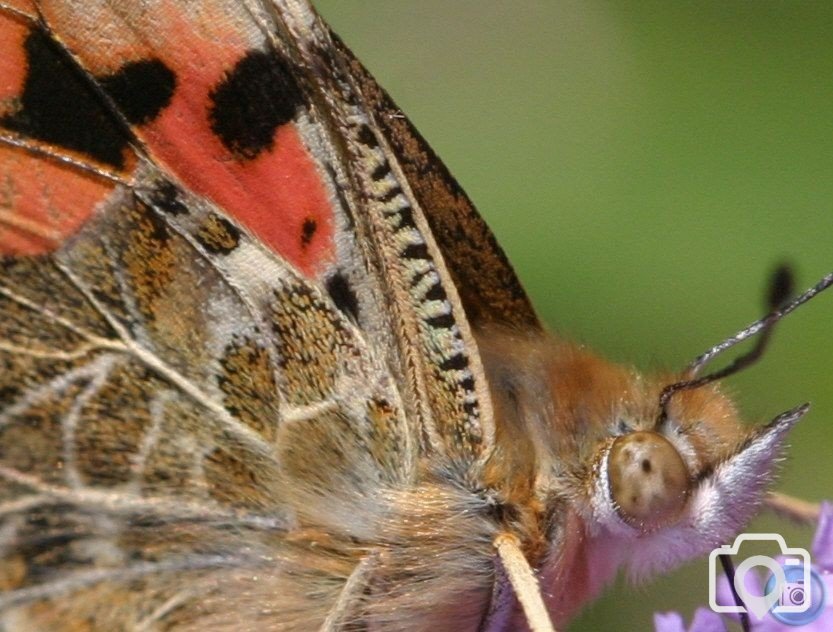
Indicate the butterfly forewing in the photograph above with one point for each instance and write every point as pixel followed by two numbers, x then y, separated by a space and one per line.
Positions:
pixel 488 287
pixel 226 324
pixel 175 394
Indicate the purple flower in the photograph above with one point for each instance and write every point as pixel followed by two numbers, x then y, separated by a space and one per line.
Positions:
pixel 704 621
pixel 823 542
pixel 707 621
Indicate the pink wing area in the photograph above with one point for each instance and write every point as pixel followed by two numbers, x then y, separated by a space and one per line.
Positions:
pixel 177 88
pixel 42 202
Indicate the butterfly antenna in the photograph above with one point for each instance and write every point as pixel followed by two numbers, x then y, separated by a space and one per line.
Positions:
pixel 729 569
pixel 780 289
pixel 523 583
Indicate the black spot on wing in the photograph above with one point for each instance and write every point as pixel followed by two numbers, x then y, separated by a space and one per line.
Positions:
pixel 381 171
pixel 418 277
pixel 338 287
pixel 390 194
pixel 256 97
pixel 415 251
pixel 308 231
pixel 436 293
pixel 456 362
pixel 141 89
pixel 366 137
pixel 404 217
pixel 59 105
pixel 443 321
pixel 165 197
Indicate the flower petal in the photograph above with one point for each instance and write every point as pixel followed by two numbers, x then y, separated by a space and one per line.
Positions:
pixel 823 541
pixel 668 622
pixel 707 621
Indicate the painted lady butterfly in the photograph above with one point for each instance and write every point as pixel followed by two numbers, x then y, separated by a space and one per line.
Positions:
pixel 264 366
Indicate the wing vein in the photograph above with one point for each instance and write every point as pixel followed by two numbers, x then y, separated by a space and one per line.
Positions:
pixel 78 581
pixel 239 430
pixel 110 502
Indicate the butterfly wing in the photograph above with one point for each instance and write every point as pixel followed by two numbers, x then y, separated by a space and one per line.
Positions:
pixel 164 374
pixel 263 97
pixel 128 455
pixel 443 384
pixel 225 326
pixel 488 287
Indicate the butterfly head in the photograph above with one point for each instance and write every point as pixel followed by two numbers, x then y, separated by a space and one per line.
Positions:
pixel 678 466
pixel 625 476
pixel 695 475
pixel 646 492
pixel 620 469
pixel 612 446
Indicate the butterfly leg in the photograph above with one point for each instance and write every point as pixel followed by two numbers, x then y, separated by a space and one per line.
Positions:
pixel 345 606
pixel 795 509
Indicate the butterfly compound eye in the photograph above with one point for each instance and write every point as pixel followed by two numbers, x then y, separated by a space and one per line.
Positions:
pixel 648 479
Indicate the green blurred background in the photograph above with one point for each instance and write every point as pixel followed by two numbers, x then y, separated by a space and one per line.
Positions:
pixel 645 165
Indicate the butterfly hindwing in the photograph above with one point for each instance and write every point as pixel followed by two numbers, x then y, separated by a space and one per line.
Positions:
pixel 109 415
pixel 165 376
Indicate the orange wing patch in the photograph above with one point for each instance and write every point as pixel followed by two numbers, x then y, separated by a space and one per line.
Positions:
pixel 12 58
pixel 275 191
pixel 42 202
pixel 227 129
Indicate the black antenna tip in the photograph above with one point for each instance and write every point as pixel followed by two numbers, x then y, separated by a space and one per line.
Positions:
pixel 781 286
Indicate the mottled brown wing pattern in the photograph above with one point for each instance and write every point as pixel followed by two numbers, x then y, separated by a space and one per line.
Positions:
pixel 159 396
pixel 369 240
